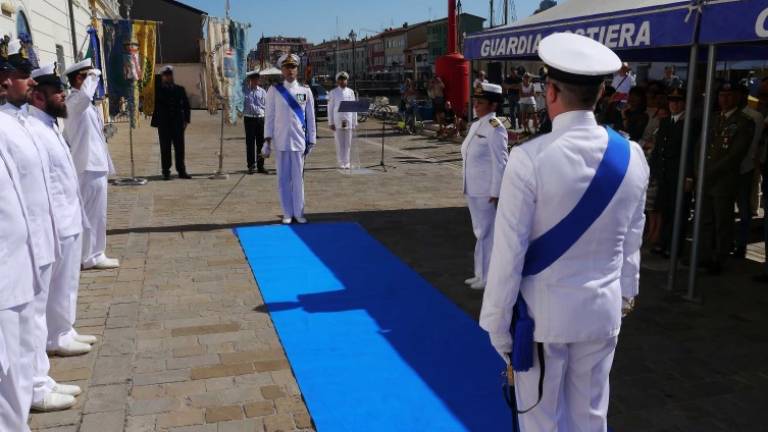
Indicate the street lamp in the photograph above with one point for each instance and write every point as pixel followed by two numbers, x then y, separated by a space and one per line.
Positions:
pixel 353 38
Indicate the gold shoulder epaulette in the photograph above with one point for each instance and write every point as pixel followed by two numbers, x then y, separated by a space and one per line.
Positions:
pixel 494 122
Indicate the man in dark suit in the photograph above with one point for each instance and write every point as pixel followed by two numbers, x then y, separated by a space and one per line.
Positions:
pixel 729 140
pixel 665 167
pixel 171 117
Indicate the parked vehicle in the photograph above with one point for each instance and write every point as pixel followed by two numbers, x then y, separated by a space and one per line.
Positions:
pixel 321 100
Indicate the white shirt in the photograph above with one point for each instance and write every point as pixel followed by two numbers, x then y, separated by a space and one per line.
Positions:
pixel 65 189
pixel 281 123
pixel 84 130
pixel 484 152
pixel 579 297
pixel 748 163
pixel 623 84
pixel 16 261
pixel 32 163
pixel 335 97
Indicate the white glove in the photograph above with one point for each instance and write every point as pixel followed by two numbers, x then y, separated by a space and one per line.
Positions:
pixel 502 342
pixel 94 72
pixel 267 149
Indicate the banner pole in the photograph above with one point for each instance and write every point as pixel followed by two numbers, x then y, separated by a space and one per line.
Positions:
pixel 220 174
pixel 132 180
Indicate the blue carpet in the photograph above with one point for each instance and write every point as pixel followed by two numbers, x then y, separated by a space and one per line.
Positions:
pixel 373 345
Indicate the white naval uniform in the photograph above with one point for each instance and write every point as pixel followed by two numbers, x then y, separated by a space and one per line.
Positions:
pixel 83 130
pixel 17 291
pixel 484 152
pixel 68 217
pixel 33 165
pixel 345 123
pixel 289 142
pixel 576 303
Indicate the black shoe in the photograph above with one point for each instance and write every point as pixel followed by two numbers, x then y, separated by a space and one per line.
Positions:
pixel 761 278
pixel 184 176
pixel 251 170
pixel 166 176
pixel 263 171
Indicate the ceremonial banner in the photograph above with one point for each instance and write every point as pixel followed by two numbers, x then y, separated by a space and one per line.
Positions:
pixel 94 53
pixel 129 57
pixel 146 34
pixel 237 38
pixel 225 67
pixel 214 51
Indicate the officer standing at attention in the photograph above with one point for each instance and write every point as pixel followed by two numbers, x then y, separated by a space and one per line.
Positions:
pixel 253 119
pixel 290 127
pixel 171 117
pixel 33 163
pixel 84 132
pixel 19 282
pixel 567 245
pixel 46 104
pixel 342 124
pixel 730 138
pixel 485 155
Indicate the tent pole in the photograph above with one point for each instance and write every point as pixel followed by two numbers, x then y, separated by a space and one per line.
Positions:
pixel 679 193
pixel 708 101
pixel 471 92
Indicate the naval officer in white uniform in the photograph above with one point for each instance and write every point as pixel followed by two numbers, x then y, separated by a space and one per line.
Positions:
pixel 17 284
pixel 484 152
pixel 578 298
pixel 342 124
pixel 33 163
pixel 46 104
pixel 290 130
pixel 84 132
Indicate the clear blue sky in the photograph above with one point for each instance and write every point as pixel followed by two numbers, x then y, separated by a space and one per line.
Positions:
pixel 316 19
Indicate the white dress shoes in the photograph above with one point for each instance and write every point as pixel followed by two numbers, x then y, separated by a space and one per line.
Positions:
pixel 54 402
pixel 104 264
pixel 86 339
pixel 287 220
pixel 478 285
pixel 472 280
pixel 67 389
pixel 73 348
pixel 301 220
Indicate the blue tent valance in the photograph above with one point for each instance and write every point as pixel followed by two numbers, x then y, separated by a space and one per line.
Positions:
pixel 728 21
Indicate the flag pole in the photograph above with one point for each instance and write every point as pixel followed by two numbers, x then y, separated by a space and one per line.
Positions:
pixel 220 174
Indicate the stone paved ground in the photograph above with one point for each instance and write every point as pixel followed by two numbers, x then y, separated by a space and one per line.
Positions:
pixel 185 347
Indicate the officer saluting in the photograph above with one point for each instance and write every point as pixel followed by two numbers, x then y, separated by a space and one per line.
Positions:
pixel 568 235
pixel 290 127
pixel 342 123
pixel 485 155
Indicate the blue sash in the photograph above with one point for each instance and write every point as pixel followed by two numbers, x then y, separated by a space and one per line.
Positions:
pixel 291 101
pixel 550 246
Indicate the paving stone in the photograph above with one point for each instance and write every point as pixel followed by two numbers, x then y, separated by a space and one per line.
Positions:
pixel 180 418
pixel 221 371
pixel 192 362
pixel 247 425
pixel 161 377
pixel 55 419
pixel 152 406
pixel 113 421
pixel 144 392
pixel 259 408
pixel 272 392
pixel 223 413
pixel 106 398
pixel 199 428
pixel 185 388
pixel 303 420
pixel 278 423
pixel 252 356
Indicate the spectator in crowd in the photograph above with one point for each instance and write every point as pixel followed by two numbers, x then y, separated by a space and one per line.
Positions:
pixel 605 107
pixel 665 167
pixel 405 87
pixel 623 81
pixel 634 117
pixel 480 79
pixel 437 94
pixel 254 110
pixel 762 107
pixel 749 166
pixel 528 104
pixel 671 80
pixel 512 86
pixel 730 138
pixel 451 121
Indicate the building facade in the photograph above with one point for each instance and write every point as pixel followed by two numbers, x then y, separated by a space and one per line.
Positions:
pixel 180 35
pixel 376 55
pixel 269 49
pixel 57 28
pixel 437 33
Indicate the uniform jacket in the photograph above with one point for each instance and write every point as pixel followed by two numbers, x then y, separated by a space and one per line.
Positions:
pixel 16 258
pixel 64 186
pixel 84 131
pixel 748 164
pixel 33 164
pixel 281 123
pixel 729 140
pixel 579 297
pixel 665 158
pixel 485 155
pixel 171 107
pixel 335 97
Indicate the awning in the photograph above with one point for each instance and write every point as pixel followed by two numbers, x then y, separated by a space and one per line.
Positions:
pixel 729 21
pixel 623 25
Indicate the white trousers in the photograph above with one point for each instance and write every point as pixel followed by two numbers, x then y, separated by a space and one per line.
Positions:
pixel 290 182
pixel 15 367
pixel 62 299
pixel 42 383
pixel 343 146
pixel 483 214
pixel 93 188
pixel 575 396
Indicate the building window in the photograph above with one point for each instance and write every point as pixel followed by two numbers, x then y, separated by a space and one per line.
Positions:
pixel 22 25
